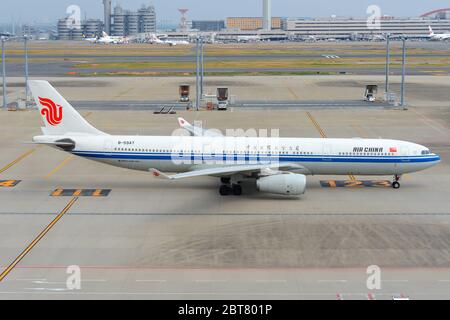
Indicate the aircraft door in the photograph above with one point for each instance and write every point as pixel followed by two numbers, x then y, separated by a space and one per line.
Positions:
pixel 404 151
pixel 327 152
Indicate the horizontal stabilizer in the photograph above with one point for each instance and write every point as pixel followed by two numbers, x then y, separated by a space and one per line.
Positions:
pixel 198 131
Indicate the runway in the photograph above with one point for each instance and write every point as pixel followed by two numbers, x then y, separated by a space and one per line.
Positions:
pixel 152 239
pixel 237 284
pixel 60 58
pixel 64 68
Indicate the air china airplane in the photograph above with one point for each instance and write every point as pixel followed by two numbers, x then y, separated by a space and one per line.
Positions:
pixel 438 36
pixel 279 165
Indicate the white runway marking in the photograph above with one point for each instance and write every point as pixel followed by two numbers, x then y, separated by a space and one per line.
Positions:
pixel 94 280
pixel 144 280
pixel 28 280
pixel 48 289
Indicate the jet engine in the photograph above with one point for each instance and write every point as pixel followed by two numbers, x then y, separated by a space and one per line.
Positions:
pixel 287 184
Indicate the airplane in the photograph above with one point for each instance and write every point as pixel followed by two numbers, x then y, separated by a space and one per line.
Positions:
pixel 438 36
pixel 90 39
pixel 279 165
pixel 155 39
pixel 246 39
pixel 107 39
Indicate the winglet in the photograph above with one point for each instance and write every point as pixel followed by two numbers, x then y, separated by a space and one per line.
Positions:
pixel 160 175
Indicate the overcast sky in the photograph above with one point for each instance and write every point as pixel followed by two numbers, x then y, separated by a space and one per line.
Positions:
pixel 27 11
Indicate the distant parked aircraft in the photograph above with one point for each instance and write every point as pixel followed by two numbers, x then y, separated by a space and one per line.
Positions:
pixel 154 39
pixel 90 39
pixel 107 39
pixel 438 36
pixel 248 38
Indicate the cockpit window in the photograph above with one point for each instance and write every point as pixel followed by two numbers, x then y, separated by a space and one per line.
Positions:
pixel 425 152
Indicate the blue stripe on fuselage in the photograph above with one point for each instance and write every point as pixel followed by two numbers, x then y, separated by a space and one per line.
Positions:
pixel 241 157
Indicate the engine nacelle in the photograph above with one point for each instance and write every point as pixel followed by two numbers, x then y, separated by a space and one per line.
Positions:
pixel 287 184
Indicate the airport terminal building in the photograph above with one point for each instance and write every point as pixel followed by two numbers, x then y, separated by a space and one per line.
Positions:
pixel 345 28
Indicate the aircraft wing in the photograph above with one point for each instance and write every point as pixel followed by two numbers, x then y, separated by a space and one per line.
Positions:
pixel 197 131
pixel 264 169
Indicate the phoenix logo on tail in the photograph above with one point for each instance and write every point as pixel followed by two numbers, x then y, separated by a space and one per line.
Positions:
pixel 51 111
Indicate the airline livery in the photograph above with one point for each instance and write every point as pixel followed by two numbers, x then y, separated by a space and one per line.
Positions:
pixel 438 36
pixel 279 165
pixel 154 39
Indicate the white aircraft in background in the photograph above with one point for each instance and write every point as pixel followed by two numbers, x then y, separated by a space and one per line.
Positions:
pixel 90 39
pixel 438 36
pixel 154 39
pixel 248 38
pixel 279 165
pixel 107 39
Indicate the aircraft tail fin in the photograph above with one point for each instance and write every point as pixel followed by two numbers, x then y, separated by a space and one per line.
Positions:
pixel 58 115
pixel 431 31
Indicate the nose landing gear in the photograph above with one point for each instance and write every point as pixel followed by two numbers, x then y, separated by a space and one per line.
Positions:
pixel 396 183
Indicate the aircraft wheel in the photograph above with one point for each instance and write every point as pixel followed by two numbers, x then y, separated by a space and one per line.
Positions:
pixel 225 180
pixel 396 185
pixel 225 190
pixel 237 190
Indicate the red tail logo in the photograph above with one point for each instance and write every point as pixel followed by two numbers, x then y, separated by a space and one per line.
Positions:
pixel 51 111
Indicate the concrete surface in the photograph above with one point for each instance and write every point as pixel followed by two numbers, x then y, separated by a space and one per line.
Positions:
pixel 152 239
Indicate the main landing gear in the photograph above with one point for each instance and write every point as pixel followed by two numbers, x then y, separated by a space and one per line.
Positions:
pixel 227 188
pixel 395 183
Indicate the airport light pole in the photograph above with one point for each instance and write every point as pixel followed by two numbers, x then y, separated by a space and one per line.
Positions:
pixel 202 66
pixel 402 103
pixel 5 102
pixel 386 88
pixel 26 69
pixel 197 89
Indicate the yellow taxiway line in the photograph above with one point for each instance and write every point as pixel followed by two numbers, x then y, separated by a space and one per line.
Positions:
pixel 26 154
pixel 316 124
pixel 59 166
pixel 38 238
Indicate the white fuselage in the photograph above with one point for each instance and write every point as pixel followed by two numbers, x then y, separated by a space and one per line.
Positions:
pixel 441 37
pixel 312 156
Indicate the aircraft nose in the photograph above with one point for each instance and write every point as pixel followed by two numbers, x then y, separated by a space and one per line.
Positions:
pixel 436 159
